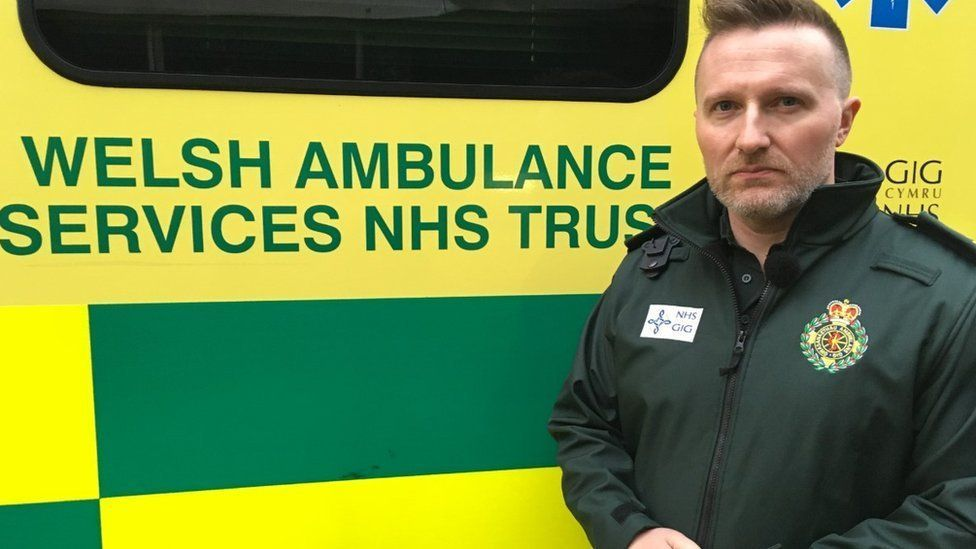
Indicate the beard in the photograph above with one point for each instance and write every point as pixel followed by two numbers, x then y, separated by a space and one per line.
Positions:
pixel 764 200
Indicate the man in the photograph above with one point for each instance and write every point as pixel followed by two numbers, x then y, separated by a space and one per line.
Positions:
pixel 776 363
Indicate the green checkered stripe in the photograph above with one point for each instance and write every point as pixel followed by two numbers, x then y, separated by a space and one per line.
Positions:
pixel 223 395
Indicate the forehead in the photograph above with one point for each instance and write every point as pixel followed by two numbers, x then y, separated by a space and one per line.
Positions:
pixel 782 55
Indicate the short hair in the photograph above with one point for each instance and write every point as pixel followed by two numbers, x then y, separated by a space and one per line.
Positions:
pixel 723 16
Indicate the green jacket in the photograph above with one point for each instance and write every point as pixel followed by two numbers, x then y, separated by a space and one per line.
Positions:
pixel 805 427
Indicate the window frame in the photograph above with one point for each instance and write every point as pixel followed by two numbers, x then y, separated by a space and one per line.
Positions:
pixel 126 79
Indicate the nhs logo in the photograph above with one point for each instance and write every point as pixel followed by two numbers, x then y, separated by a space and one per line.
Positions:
pixel 671 322
pixel 893 14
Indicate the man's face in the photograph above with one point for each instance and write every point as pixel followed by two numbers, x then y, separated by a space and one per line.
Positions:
pixel 769 117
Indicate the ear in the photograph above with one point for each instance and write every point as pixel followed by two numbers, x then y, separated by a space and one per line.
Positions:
pixel 848 111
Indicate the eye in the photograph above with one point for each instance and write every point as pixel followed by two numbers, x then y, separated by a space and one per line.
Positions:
pixel 789 101
pixel 723 106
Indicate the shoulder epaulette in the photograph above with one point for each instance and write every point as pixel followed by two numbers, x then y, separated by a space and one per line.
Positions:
pixel 930 226
pixel 659 249
pixel 638 240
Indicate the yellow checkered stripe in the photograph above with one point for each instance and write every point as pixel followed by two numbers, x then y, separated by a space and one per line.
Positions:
pixel 516 508
pixel 49 490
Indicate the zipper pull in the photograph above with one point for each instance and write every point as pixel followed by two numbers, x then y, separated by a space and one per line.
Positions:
pixel 740 347
pixel 740 342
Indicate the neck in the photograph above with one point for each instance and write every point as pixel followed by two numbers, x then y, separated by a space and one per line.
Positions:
pixel 758 235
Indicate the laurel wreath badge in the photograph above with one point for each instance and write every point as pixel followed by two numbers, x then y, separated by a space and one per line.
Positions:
pixel 835 340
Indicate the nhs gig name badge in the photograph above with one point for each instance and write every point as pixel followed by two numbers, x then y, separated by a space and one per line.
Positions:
pixel 672 322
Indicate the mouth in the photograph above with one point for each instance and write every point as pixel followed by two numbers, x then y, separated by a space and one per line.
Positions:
pixel 755 171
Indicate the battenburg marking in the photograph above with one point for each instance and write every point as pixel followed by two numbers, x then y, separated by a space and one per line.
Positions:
pixel 835 340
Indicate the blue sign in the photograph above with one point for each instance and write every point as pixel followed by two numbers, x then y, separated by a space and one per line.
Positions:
pixel 893 14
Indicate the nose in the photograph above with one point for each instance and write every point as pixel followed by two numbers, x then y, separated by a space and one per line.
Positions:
pixel 753 135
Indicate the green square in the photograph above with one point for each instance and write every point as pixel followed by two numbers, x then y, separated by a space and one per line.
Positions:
pixel 61 525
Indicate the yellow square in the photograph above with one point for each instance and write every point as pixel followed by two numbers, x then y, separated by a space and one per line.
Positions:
pixel 47 411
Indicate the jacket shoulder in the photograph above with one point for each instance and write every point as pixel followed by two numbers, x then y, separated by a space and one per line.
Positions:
pixel 934 230
pixel 639 239
pixel 924 249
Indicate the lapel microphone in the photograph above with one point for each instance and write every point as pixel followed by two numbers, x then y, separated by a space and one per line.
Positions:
pixel 782 268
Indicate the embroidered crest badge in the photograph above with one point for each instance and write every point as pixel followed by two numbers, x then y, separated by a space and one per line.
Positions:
pixel 835 340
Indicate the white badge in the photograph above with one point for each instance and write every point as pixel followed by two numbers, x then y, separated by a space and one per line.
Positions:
pixel 672 322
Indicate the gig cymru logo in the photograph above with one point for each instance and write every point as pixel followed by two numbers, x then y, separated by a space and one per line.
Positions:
pixel 893 14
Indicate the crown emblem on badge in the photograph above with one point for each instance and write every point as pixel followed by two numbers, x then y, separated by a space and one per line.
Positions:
pixel 835 340
pixel 837 310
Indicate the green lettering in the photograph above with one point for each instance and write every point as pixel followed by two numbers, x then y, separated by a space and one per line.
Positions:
pixel 568 227
pixel 271 227
pixel 127 229
pixel 584 173
pixel 404 165
pixel 217 229
pixel 8 224
pixel 59 228
pixel 647 166
pixel 238 163
pixel 196 223
pixel 335 237
pixel 149 168
pixel 637 224
pixel 604 169
pixel 614 231
pixel 524 213
pixel 477 228
pixel 393 236
pixel 533 154
pixel 469 171
pixel 490 181
pixel 165 240
pixel 55 149
pixel 103 161
pixel 316 153
pixel 191 159
pixel 418 226
pixel 379 161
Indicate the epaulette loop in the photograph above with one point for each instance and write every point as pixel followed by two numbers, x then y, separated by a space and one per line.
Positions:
pixel 639 239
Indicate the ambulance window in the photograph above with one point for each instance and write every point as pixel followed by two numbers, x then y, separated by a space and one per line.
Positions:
pixel 612 50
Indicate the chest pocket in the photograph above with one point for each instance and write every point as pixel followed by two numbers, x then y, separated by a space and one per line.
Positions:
pixel 924 274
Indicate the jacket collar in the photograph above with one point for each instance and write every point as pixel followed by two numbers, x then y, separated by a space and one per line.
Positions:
pixel 833 212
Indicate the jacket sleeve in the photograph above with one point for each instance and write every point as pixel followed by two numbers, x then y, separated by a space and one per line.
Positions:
pixel 597 468
pixel 941 510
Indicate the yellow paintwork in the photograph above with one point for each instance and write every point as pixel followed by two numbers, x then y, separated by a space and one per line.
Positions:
pixel 911 82
pixel 513 509
pixel 48 418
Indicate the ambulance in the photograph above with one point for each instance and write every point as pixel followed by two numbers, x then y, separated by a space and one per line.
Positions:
pixel 310 273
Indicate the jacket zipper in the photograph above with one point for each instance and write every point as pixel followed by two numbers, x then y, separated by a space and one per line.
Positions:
pixel 731 371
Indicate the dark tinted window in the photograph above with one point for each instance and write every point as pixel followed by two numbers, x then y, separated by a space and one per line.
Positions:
pixel 603 49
